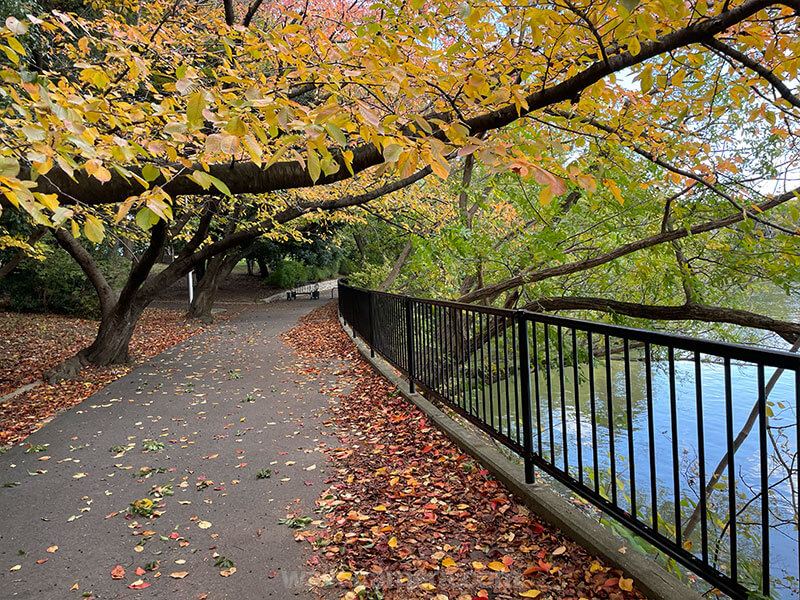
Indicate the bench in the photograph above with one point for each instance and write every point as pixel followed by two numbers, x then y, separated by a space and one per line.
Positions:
pixel 309 289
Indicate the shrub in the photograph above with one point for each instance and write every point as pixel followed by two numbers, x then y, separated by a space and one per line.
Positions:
pixel 57 284
pixel 288 274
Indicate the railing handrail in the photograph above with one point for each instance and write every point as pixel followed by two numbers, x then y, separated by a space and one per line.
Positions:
pixel 452 351
pixel 781 359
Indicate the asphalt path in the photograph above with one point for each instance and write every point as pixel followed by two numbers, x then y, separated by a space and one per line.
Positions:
pixel 190 429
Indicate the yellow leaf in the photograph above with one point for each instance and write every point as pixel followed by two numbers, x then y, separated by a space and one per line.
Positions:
pixel 379 508
pixel 93 228
pixel 343 576
pixel 615 191
pixel 478 565
pixel 530 594
pixel 448 562
pixel 393 542
pixel 626 584
pixel 498 566
pixel 428 587
pixel 179 574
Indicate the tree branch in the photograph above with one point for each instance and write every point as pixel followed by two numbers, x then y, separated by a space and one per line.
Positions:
pixel 688 312
pixel 89 266
pixel 532 276
pixel 247 177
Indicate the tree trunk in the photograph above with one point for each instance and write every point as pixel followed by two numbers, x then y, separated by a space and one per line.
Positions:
pixel 398 264
pixel 205 294
pixel 111 345
pixel 263 267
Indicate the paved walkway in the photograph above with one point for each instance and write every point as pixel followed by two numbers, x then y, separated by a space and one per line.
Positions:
pixel 224 404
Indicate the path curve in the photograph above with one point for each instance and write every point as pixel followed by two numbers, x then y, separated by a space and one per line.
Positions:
pixel 193 399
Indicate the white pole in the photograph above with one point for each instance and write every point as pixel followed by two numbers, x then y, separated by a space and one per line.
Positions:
pixel 191 288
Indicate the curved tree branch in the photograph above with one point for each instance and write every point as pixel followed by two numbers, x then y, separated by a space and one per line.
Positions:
pixel 247 177
pixel 686 312
pixel 90 268
pixel 532 276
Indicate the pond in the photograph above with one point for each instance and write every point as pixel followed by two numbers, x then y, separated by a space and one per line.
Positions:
pixel 666 467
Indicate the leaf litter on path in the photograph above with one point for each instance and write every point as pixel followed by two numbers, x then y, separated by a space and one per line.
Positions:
pixel 408 515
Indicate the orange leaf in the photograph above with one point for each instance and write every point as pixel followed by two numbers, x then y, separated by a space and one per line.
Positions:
pixel 117 572
pixel 626 584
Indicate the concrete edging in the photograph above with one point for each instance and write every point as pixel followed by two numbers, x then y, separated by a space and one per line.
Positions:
pixel 650 578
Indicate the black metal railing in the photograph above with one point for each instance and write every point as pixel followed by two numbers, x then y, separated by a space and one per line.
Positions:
pixel 637 422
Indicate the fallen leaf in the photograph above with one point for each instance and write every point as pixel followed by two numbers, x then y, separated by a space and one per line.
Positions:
pixel 530 594
pixel 204 524
pixel 52 549
pixel 139 585
pixel 626 584
pixel 228 572
pixel 118 572
pixel 179 574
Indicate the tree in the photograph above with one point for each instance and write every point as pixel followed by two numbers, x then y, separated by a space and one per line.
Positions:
pixel 180 105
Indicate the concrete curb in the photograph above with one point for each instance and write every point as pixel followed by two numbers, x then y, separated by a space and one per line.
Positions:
pixel 21 390
pixel 651 579
pixel 324 286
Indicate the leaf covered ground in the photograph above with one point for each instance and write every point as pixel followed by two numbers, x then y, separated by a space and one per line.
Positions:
pixel 409 515
pixel 32 344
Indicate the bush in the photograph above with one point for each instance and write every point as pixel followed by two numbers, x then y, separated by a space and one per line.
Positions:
pixel 57 284
pixel 288 274
pixel 370 276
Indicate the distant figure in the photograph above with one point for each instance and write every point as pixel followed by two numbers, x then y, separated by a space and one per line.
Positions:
pixel 315 292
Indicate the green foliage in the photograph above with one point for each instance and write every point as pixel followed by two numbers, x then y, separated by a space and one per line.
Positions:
pixel 288 274
pixel 296 522
pixel 264 474
pixel 370 275
pixel 152 445
pixel 57 284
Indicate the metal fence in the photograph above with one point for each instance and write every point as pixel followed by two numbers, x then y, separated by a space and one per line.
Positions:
pixel 637 422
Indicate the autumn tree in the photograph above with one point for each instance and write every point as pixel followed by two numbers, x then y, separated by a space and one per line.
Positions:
pixel 135 116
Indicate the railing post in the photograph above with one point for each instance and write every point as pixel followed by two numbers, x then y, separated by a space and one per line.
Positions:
pixel 409 344
pixel 371 326
pixel 525 390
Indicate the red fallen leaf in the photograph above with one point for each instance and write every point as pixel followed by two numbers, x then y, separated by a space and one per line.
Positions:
pixel 611 582
pixel 139 585
pixel 272 574
pixel 117 572
pixel 173 535
pixel 41 560
pixel 427 449
pixel 258 532
pixel 140 571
